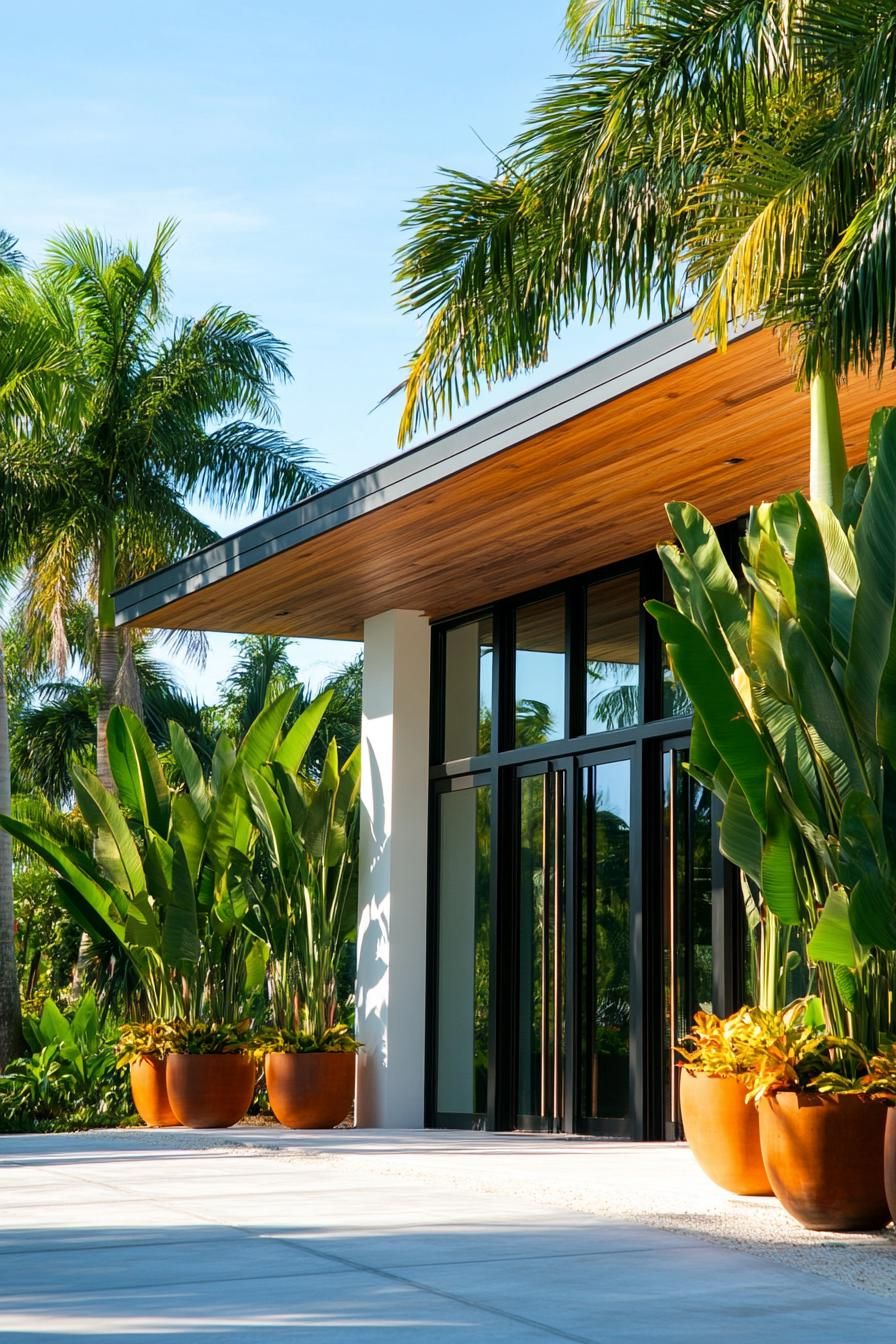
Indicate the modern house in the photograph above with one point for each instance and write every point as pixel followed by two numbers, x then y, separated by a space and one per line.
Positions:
pixel 542 901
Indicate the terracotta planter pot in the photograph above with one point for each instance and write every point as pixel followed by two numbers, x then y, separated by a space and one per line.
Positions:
pixel 890 1160
pixel 149 1090
pixel 310 1091
pixel 210 1091
pixel 722 1129
pixel 824 1158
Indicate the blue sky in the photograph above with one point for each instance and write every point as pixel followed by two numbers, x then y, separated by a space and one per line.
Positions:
pixel 286 137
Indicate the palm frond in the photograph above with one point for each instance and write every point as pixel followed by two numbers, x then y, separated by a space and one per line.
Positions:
pixel 48 735
pixel 222 364
pixel 154 527
pixel 862 282
pixel 242 466
pixel 11 259
pixel 739 150
pixel 587 22
pixel 261 671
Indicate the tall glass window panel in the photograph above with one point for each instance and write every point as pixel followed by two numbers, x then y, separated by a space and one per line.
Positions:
pixel 541 671
pixel 688 907
pixel 463 950
pixel 675 700
pixel 613 652
pixel 606 939
pixel 468 690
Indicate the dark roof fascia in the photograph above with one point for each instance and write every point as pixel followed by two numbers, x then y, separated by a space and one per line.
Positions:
pixel 600 380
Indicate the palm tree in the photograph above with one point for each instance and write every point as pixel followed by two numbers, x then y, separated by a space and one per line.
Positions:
pixel 739 152
pixel 54 724
pixel 153 417
pixel 10 1003
pixel 262 670
pixel 342 717
pixel 26 368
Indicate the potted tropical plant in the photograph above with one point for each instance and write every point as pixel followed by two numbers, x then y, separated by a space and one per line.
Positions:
pixel 165 879
pixel 794 716
pixel 143 1049
pixel 310 1077
pixel 821 1130
pixel 307 830
pixel 211 1072
pixel 789 668
pixel 720 1125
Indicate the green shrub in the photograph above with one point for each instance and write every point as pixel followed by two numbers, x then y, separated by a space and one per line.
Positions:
pixel 70 1080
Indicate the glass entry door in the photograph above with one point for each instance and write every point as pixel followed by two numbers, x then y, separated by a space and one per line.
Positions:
pixel 541 1000
pixel 608 1024
pixel 578 1042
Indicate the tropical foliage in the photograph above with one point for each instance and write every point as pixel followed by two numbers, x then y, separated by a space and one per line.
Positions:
pixel 783 1050
pixel 721 1047
pixel 790 672
pixel 53 728
pixel 738 153
pixel 336 1040
pixel 226 894
pixel 138 417
pixel 166 878
pixel 790 1051
pixel 208 1038
pixel 300 904
pixel 115 421
pixel 69 1081
pixel 142 1040
pixel 882 1071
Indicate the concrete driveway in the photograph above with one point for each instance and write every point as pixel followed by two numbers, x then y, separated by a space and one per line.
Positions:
pixel 256 1234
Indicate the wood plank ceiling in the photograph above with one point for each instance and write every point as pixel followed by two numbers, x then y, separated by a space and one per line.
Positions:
pixel 722 431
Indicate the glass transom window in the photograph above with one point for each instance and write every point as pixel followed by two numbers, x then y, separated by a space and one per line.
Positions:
pixel 541 671
pixel 468 689
pixel 612 651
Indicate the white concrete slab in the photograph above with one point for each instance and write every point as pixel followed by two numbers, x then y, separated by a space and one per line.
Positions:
pixel 132 1236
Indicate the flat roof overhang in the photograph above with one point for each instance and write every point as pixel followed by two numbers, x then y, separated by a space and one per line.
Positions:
pixel 566 478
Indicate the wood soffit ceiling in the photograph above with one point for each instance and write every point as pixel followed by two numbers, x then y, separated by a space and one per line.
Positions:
pixel 721 431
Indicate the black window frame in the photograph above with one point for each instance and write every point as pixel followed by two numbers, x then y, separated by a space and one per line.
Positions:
pixel 500 766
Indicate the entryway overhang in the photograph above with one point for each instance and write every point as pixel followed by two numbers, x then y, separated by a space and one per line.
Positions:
pixel 565 478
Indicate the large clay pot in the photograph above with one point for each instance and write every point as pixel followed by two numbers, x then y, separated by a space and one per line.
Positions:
pixel 210 1091
pixel 311 1090
pixel 890 1160
pixel 824 1158
pixel 149 1090
pixel 722 1128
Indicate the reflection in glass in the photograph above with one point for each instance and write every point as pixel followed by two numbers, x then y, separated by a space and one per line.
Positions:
pixel 675 699
pixel 606 939
pixel 613 653
pixel 687 952
pixel 541 671
pixel 463 950
pixel 468 689
pixel 540 1062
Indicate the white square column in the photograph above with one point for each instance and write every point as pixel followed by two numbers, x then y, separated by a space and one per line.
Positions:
pixel 391 975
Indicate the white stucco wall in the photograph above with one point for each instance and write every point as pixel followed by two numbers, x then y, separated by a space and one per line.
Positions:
pixel 391 987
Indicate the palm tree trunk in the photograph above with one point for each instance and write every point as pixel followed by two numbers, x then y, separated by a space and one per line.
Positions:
pixel 109 664
pixel 827 453
pixel 11 1041
pixel 109 652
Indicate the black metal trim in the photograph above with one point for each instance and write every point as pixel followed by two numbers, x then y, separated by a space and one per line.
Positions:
pixel 432 1116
